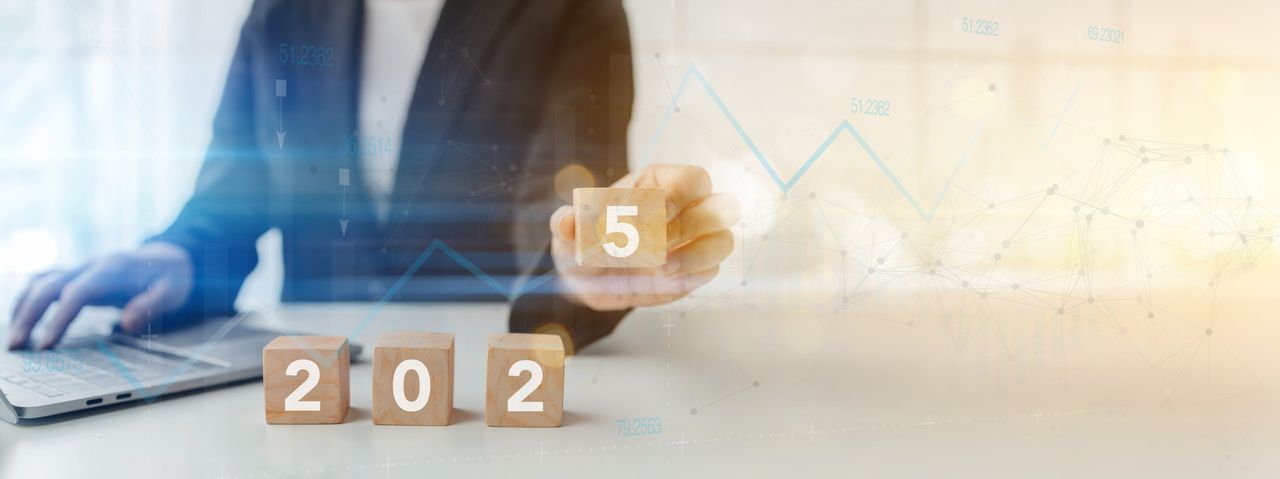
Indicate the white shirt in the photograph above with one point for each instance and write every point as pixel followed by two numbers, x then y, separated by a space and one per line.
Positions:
pixel 396 34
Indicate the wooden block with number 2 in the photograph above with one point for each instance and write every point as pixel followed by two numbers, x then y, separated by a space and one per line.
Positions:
pixel 306 380
pixel 621 227
pixel 525 381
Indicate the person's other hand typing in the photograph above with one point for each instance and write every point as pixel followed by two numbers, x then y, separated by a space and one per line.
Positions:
pixel 146 283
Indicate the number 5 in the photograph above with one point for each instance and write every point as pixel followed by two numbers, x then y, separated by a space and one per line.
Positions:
pixel 627 229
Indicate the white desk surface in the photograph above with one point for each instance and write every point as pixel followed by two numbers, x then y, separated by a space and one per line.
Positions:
pixel 854 394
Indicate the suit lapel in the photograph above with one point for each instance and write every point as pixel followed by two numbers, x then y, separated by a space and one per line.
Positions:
pixel 348 34
pixel 452 73
pixel 362 232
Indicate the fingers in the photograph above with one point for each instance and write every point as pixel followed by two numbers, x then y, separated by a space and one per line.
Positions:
pixel 26 291
pixel 142 308
pixel 718 212
pixel 563 235
pixel 698 236
pixel 700 255
pixel 612 292
pixel 44 290
pixel 562 224
pixel 685 184
pixel 673 288
pixel 89 287
pixel 697 280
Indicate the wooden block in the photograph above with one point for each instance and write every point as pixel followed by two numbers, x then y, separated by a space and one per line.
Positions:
pixel 319 389
pixel 399 362
pixel 525 381
pixel 621 227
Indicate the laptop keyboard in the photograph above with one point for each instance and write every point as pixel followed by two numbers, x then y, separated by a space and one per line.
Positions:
pixel 77 371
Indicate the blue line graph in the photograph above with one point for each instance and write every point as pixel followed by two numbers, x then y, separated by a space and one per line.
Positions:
pixel 692 73
pixel 436 245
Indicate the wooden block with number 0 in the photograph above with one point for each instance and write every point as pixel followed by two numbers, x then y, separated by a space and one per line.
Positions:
pixel 413 379
pixel 306 380
pixel 621 227
pixel 525 381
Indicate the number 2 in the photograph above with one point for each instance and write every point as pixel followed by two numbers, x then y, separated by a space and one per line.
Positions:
pixel 294 401
pixel 517 401
pixel 613 226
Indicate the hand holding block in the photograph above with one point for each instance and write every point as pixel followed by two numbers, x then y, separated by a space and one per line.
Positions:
pixel 413 379
pixel 526 381
pixel 620 227
pixel 305 380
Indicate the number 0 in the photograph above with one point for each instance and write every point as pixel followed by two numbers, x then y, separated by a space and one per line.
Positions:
pixel 294 401
pixel 517 401
pixel 424 385
pixel 629 230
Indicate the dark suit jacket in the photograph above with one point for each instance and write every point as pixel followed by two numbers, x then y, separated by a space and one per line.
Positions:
pixel 510 93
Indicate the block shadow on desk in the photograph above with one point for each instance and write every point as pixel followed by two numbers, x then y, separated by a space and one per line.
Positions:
pixel 358 414
pixel 464 416
pixel 572 418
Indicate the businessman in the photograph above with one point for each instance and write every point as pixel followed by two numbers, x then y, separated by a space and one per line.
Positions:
pixel 368 131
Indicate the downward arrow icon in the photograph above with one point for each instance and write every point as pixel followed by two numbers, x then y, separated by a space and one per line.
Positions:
pixel 344 179
pixel 282 90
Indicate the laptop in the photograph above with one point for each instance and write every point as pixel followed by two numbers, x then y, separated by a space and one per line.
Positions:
pixel 94 371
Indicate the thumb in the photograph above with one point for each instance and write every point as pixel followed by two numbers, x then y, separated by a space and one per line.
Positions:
pixel 563 224
pixel 145 306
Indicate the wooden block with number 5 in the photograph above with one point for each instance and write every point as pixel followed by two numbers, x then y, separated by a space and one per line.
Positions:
pixel 621 227
pixel 413 379
pixel 526 381
pixel 306 380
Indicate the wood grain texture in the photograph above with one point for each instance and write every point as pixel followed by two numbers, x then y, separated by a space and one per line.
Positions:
pixel 436 351
pixel 333 391
pixel 590 209
pixel 504 350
